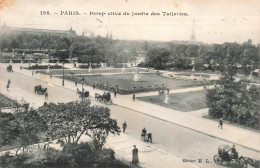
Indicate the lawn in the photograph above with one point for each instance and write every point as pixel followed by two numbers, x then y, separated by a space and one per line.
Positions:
pixel 185 102
pixel 85 71
pixel 147 81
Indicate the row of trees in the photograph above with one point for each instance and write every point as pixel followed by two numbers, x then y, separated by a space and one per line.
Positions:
pixel 95 50
pixel 160 55
pixel 182 56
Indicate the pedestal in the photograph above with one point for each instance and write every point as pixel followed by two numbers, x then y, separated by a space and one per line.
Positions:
pixel 137 77
pixel 90 69
pixel 166 100
pixel 193 69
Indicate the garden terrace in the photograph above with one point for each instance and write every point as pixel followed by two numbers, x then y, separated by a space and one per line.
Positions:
pixel 125 85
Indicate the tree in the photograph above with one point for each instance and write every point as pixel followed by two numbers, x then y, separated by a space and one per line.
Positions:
pixel 70 121
pixel 30 127
pixel 157 58
pixel 234 100
pixel 9 129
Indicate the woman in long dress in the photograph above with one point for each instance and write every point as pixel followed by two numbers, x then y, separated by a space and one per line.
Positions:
pixel 135 155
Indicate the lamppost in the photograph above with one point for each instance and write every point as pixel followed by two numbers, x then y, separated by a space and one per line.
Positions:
pixel 82 94
pixel 63 74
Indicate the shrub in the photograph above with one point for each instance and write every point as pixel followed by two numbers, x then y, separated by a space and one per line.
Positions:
pixel 87 66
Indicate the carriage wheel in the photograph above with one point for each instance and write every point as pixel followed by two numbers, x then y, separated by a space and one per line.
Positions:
pixel 218 160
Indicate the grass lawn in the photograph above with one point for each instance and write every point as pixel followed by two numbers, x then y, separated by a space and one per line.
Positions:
pixel 147 81
pixel 187 101
pixel 85 71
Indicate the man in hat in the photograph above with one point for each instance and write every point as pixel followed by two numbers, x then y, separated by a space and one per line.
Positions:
pixel 234 153
pixel 135 155
pixel 124 126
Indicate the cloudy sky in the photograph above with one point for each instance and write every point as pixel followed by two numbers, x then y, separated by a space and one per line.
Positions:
pixel 216 21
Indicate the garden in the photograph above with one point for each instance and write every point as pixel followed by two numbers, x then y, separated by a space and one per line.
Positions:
pixel 185 102
pixel 124 83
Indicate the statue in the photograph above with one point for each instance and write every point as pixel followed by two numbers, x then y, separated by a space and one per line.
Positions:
pixel 89 68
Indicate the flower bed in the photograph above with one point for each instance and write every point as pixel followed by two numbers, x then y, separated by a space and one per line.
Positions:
pixel 45 67
pixel 87 66
pixel 111 88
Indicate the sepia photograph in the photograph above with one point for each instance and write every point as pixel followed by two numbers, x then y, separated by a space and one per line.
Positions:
pixel 129 84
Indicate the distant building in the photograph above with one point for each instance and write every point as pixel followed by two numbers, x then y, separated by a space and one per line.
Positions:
pixel 88 33
pixel 17 30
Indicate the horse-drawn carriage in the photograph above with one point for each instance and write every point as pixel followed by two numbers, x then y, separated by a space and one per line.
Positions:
pixel 40 90
pixel 83 94
pixel 105 98
pixel 9 68
pixel 146 137
pixel 224 155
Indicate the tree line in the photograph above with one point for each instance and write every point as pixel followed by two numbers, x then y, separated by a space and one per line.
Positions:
pixel 202 57
pixel 85 49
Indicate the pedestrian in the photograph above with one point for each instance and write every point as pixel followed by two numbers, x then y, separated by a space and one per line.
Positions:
pixel 115 93
pixel 220 123
pixel 124 126
pixel 150 137
pixel 133 97
pixel 46 95
pixel 76 83
pixel 135 155
pixel 32 73
pixel 21 67
pixel 94 86
pixel 144 131
pixel 7 87
pixel 8 82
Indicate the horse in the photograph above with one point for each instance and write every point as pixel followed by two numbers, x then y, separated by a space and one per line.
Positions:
pixel 39 89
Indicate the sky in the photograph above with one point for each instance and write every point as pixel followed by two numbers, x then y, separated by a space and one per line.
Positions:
pixel 215 21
